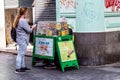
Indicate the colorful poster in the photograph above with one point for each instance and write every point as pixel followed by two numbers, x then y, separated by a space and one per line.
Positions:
pixel 47 28
pixel 44 46
pixel 67 51
pixel 112 5
pixel 71 22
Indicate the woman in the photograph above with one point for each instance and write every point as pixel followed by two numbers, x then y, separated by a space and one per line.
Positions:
pixel 23 30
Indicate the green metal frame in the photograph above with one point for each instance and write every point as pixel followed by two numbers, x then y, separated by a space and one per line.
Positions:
pixel 34 55
pixel 66 63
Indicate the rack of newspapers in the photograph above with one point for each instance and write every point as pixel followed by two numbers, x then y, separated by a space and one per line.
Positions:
pixel 47 39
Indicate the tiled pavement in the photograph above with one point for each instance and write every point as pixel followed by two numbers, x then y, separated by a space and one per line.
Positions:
pixel 7 71
pixel 13 49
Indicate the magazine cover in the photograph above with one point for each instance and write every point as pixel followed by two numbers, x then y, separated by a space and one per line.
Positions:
pixel 47 28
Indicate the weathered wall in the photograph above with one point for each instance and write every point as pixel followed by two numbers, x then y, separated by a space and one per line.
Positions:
pixel 9 17
pixel 97 48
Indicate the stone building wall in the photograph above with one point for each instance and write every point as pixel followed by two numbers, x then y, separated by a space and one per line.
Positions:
pixel 98 48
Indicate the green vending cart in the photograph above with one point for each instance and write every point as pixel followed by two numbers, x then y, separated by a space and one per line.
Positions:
pixel 66 52
pixel 44 41
pixel 43 48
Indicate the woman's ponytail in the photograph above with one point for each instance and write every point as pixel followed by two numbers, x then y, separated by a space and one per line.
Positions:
pixel 21 12
pixel 16 20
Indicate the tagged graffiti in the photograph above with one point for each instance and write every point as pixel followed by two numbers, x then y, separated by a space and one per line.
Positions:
pixel 68 3
pixel 114 4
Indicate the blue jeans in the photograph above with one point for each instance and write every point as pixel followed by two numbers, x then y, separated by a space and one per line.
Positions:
pixel 20 60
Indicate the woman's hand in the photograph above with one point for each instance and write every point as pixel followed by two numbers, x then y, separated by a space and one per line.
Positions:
pixel 33 27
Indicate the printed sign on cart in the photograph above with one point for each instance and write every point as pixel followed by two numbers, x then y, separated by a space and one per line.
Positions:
pixel 44 47
pixel 67 51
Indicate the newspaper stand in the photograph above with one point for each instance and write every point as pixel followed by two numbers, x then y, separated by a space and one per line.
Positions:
pixel 64 58
pixel 37 54
pixel 59 48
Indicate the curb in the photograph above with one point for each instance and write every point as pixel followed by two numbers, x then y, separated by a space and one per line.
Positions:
pixel 15 53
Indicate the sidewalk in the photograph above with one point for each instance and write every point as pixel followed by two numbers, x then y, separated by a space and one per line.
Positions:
pixel 7 71
pixel 7 68
pixel 12 48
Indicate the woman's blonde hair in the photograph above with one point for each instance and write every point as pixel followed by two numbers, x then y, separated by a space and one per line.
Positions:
pixel 21 12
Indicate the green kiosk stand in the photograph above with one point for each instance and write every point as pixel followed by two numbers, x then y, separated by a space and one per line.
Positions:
pixel 46 47
pixel 66 52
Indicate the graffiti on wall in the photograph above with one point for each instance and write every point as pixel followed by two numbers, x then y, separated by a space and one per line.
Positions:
pixel 68 3
pixel 113 4
pixel 90 12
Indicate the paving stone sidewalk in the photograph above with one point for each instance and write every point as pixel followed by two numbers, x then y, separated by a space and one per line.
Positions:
pixel 12 48
pixel 104 72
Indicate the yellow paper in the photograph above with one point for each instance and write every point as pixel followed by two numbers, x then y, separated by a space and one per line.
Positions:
pixel 67 52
